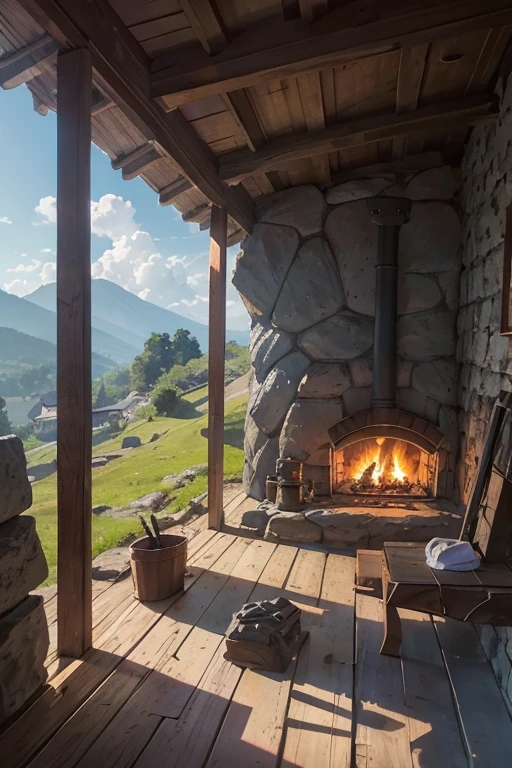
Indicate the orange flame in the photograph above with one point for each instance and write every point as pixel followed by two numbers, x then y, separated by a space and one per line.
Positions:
pixel 387 467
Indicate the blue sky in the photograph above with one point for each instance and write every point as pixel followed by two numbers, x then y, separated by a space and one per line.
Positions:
pixel 145 248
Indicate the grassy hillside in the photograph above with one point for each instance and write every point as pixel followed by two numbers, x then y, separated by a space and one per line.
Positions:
pixel 141 471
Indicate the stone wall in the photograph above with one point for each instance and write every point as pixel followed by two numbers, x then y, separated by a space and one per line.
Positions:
pixel 307 277
pixel 23 628
pixel 486 357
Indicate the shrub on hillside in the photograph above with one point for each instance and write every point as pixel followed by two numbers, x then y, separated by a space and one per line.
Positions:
pixel 165 396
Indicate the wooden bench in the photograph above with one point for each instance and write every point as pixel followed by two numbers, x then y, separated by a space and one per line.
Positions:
pixel 482 596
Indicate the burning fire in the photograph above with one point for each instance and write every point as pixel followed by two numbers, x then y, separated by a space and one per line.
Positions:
pixel 386 466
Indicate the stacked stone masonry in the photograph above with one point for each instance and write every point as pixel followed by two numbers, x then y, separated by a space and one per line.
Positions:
pixel 485 356
pixel 23 628
pixel 307 277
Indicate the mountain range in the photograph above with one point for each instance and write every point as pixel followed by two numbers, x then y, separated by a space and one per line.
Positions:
pixel 18 350
pixel 121 321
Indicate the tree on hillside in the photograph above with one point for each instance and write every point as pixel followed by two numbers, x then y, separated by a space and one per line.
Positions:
pixel 5 424
pixel 157 358
pixel 185 347
pixel 101 398
pixel 160 354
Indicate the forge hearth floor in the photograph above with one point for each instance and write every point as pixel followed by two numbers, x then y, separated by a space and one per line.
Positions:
pixel 349 522
pixel 156 692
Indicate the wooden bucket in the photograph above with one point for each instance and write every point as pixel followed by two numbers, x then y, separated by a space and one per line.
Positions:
pixel 158 573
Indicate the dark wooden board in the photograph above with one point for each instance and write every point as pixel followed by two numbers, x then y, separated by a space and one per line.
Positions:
pixel 484 716
pixel 407 563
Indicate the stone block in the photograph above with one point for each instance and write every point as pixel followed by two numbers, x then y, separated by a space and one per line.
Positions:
pixel 312 290
pixel 343 530
pixel 426 335
pixel 356 190
pixel 305 427
pixel 430 241
pixel 292 526
pixel 254 438
pixel 405 368
pixel 15 488
pixel 267 346
pixel 325 380
pixel 449 282
pixel 278 391
pixel 132 441
pixel 299 207
pixel 24 644
pixel 417 293
pixel 264 464
pixel 262 265
pixel 361 371
pixel 22 561
pixel 433 184
pixel 342 337
pixel 437 379
pixel 357 399
pixel 354 242
pixel 111 564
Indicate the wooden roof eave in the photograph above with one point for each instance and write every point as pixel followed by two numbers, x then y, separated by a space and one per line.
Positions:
pixel 123 71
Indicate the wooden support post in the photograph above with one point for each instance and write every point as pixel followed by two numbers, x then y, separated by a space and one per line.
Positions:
pixel 216 352
pixel 74 438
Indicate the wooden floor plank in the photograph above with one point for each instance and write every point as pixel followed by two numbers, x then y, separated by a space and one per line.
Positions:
pixel 187 741
pixel 319 721
pixel 485 720
pixel 176 673
pixel 252 730
pixel 433 723
pixel 381 732
pixel 75 684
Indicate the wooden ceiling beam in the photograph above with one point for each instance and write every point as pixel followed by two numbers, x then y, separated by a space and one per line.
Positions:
pixel 123 74
pixel 26 63
pixel 205 20
pixel 443 116
pixel 173 190
pixel 412 164
pixel 284 49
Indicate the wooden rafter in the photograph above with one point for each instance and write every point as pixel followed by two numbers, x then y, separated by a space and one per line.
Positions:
pixel 288 48
pixel 207 24
pixel 173 190
pixel 240 106
pixel 129 157
pixel 137 166
pixel 28 62
pixel 465 111
pixel 311 10
pixel 122 71
pixel 197 215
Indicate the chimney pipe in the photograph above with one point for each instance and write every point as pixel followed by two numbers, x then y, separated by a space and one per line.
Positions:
pixel 389 213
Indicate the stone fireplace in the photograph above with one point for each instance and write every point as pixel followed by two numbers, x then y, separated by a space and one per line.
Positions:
pixel 307 275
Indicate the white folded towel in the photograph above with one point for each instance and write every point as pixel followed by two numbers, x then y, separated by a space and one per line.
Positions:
pixel 451 555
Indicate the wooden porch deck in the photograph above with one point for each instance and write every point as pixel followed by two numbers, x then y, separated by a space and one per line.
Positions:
pixel 156 691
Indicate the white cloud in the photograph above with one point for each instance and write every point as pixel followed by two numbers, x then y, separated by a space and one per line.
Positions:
pixel 47 208
pixel 26 267
pixel 5 220
pixel 135 261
